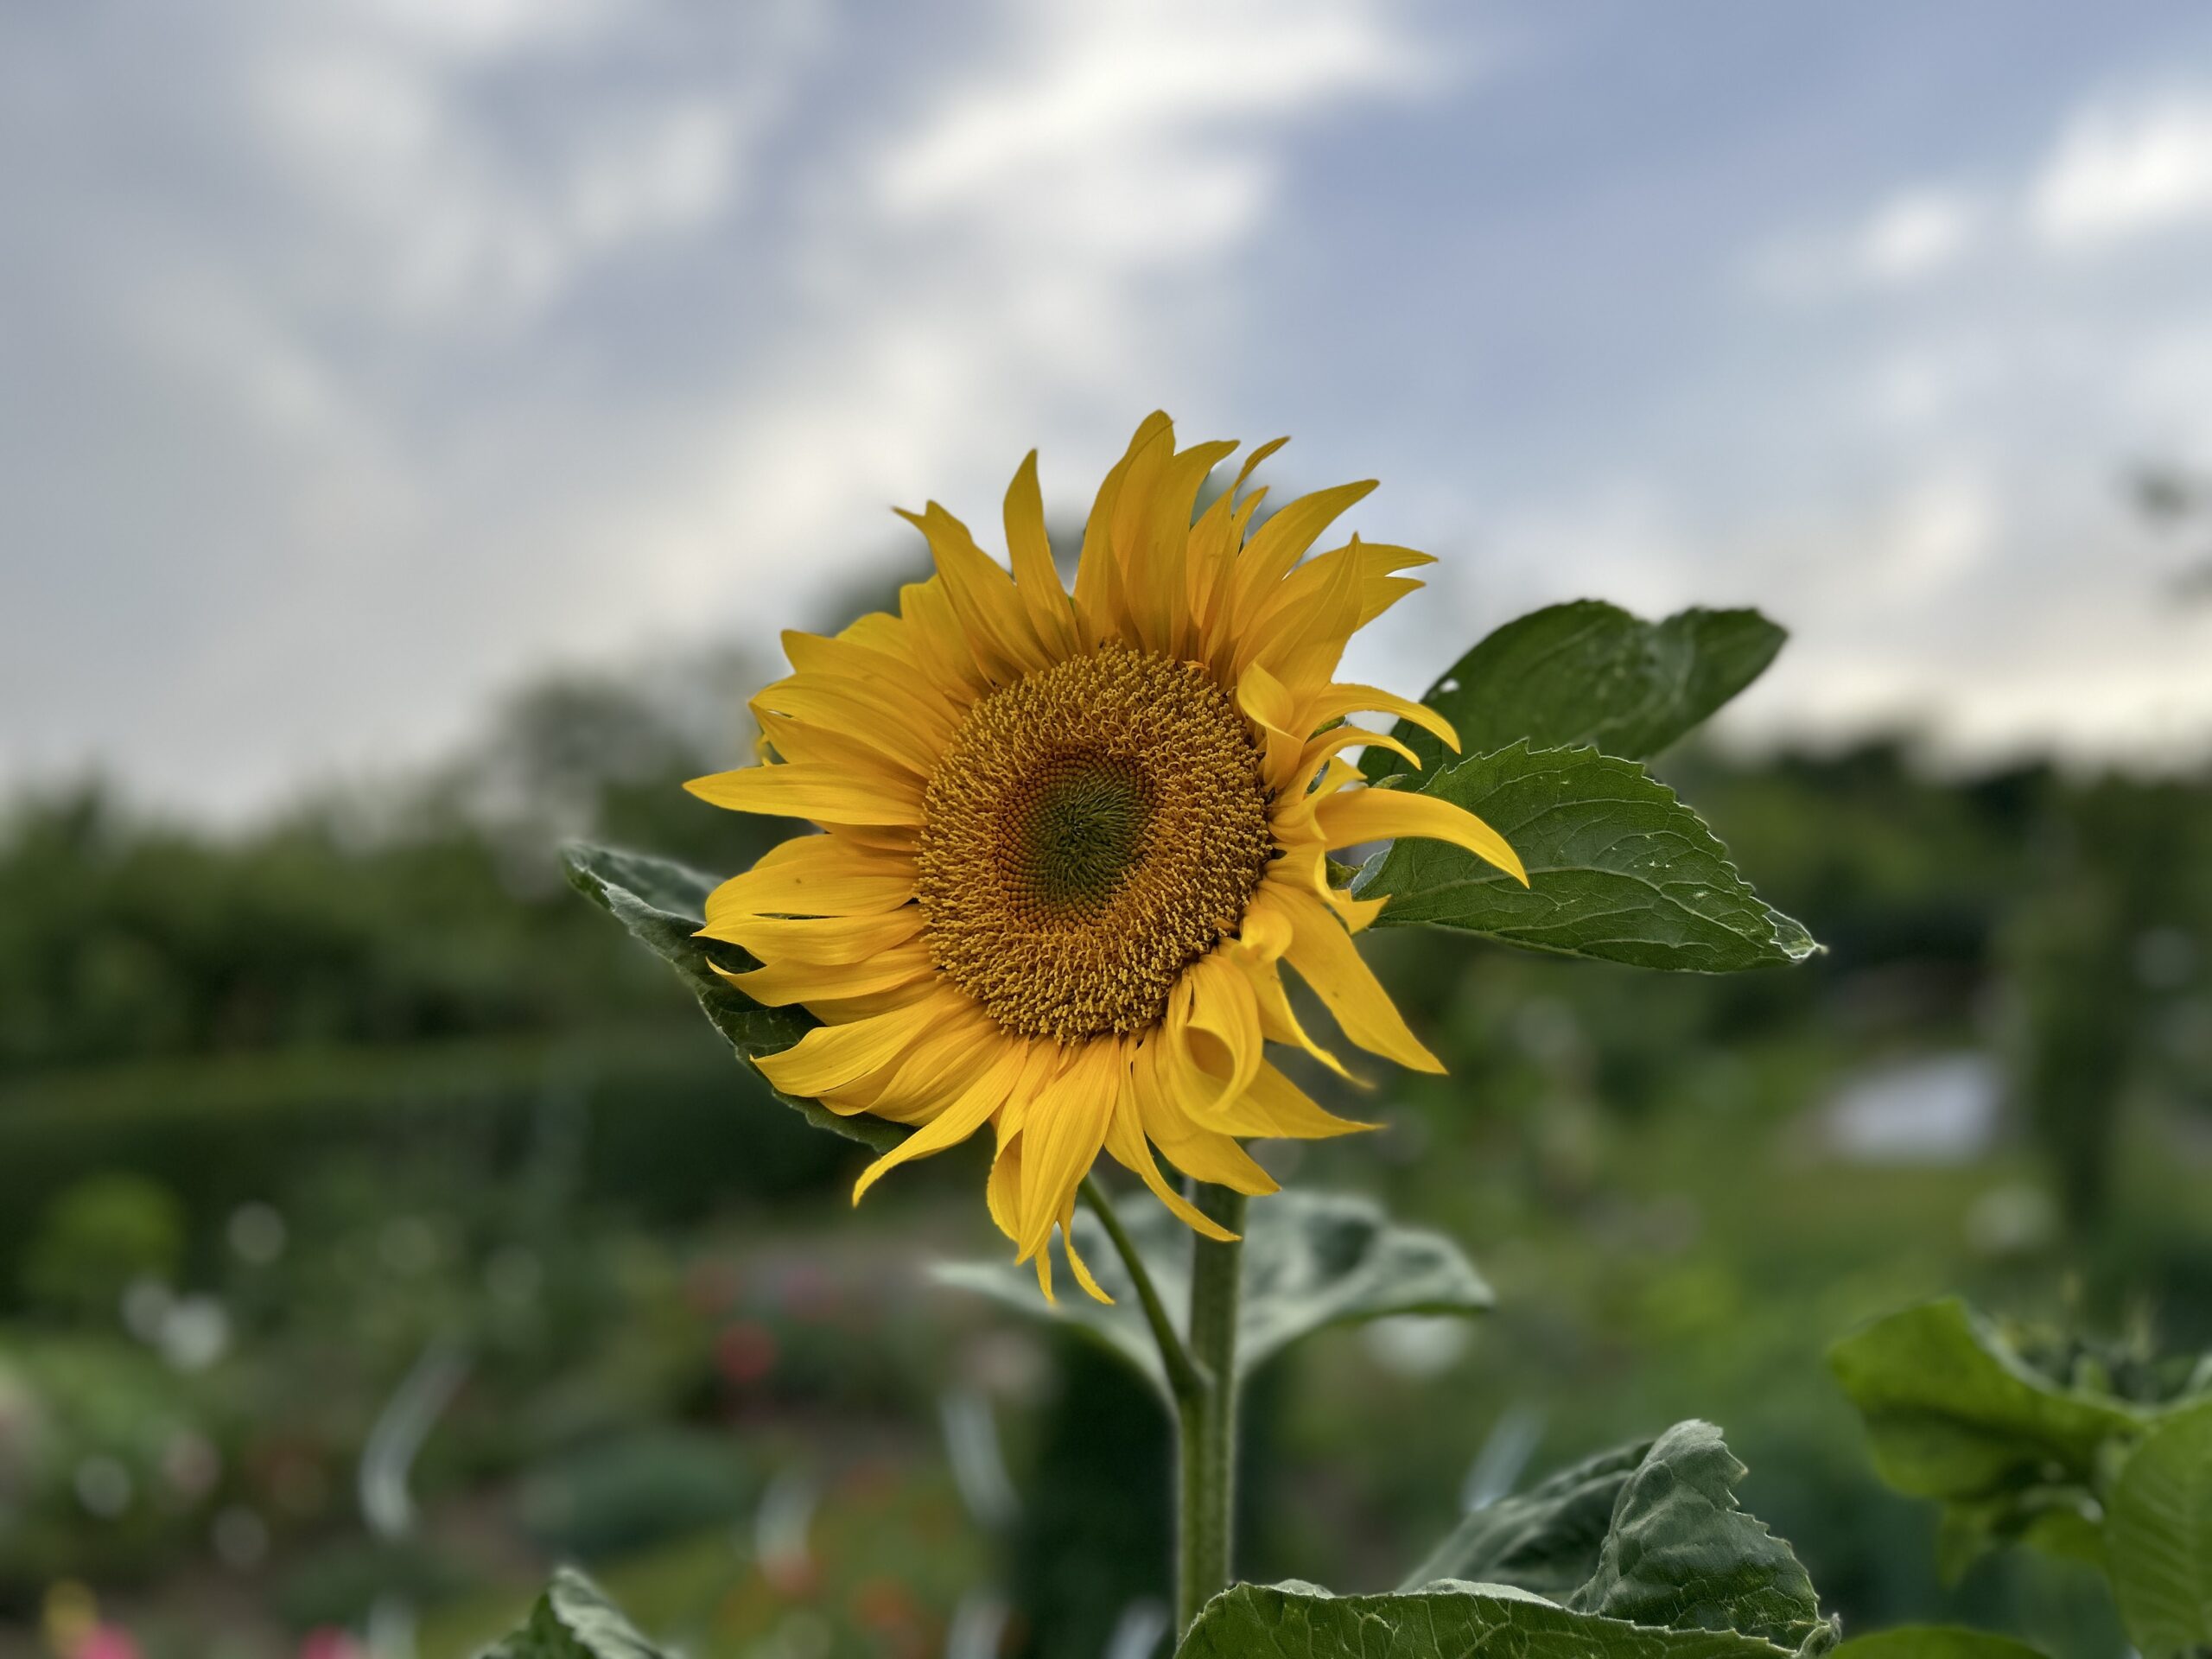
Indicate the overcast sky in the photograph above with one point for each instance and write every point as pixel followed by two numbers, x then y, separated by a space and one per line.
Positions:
pixel 357 359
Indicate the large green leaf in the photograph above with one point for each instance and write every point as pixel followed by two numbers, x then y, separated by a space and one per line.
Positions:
pixel 1310 1260
pixel 1546 1538
pixel 2158 1538
pixel 573 1620
pixel 1590 673
pixel 1933 1641
pixel 1681 1553
pixel 663 904
pixel 1619 869
pixel 1443 1621
pixel 1954 1412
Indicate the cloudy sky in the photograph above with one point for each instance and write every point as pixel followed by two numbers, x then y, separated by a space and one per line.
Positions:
pixel 357 359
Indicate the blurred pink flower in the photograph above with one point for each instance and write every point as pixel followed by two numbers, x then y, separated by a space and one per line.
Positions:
pixel 106 1642
pixel 330 1644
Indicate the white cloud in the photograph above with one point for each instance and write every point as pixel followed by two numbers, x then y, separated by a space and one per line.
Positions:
pixel 1909 239
pixel 1916 234
pixel 1088 84
pixel 416 194
pixel 1036 254
pixel 1941 528
pixel 495 331
pixel 2121 168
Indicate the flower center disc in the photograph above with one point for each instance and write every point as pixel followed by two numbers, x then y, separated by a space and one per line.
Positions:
pixel 1091 831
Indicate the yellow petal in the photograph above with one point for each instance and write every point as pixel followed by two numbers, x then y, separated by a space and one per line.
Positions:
pixel 1202 1153
pixel 1098 587
pixel 896 676
pixel 824 939
pixel 930 1074
pixel 1325 958
pixel 1353 815
pixel 1301 631
pixel 1274 1105
pixel 1035 575
pixel 1268 704
pixel 1341 700
pixel 780 983
pixel 982 596
pixel 829 1057
pixel 1125 1141
pixel 1076 1263
pixel 1219 1001
pixel 817 746
pixel 1064 1129
pixel 941 646
pixel 1279 1021
pixel 825 794
pixel 1003 1193
pixel 873 718
pixel 1154 527
pixel 968 1113
pixel 815 875
pixel 1283 540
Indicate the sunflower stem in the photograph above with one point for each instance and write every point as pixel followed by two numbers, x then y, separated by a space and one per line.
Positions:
pixel 1206 1421
pixel 1183 1380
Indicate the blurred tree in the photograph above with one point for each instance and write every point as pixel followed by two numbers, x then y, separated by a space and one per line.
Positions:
pixel 2097 947
pixel 98 1238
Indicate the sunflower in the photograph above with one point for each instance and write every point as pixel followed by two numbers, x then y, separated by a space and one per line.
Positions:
pixel 1069 843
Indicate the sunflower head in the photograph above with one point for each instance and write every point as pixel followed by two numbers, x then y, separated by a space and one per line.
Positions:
pixel 1068 843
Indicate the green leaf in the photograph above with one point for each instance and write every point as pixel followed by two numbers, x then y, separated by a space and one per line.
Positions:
pixel 663 905
pixel 1954 1412
pixel 1680 1553
pixel 1311 1260
pixel 574 1620
pixel 1590 673
pixel 1933 1641
pixel 1443 1621
pixel 2159 1540
pixel 1546 1538
pixel 1619 869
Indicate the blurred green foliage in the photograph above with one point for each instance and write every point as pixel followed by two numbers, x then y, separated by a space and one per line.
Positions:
pixel 370 1078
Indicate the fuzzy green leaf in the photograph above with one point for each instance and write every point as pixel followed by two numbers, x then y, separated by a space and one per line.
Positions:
pixel 1311 1260
pixel 1619 869
pixel 1954 1412
pixel 1680 1553
pixel 1590 673
pixel 1547 1538
pixel 1443 1621
pixel 663 904
pixel 1933 1641
pixel 574 1620
pixel 2158 1538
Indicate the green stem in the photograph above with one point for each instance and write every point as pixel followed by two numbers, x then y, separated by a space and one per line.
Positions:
pixel 1206 1421
pixel 1183 1380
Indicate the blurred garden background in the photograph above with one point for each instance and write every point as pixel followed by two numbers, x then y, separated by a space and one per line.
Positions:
pixel 415 421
